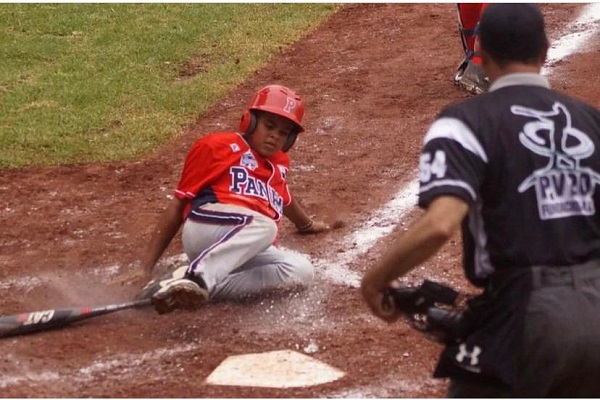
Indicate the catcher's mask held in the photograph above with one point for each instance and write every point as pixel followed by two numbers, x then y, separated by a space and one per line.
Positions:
pixel 279 100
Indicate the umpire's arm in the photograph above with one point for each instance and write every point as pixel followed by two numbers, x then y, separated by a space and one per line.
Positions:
pixel 424 238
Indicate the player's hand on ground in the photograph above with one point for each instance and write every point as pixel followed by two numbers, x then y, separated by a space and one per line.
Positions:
pixel 315 227
pixel 320 226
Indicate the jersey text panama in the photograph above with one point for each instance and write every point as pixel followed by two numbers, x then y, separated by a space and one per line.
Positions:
pixel 221 168
pixel 246 185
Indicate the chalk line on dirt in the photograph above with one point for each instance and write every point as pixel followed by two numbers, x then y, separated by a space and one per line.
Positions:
pixel 378 225
pixel 387 386
pixel 581 30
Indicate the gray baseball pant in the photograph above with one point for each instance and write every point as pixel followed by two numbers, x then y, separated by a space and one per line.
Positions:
pixel 232 249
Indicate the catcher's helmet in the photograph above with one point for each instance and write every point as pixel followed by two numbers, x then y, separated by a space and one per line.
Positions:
pixel 279 100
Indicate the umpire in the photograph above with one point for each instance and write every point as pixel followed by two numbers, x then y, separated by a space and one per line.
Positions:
pixel 517 168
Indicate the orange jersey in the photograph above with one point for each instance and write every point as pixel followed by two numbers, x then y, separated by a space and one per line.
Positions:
pixel 222 168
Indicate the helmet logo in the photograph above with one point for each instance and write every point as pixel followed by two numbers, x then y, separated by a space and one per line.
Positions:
pixel 290 105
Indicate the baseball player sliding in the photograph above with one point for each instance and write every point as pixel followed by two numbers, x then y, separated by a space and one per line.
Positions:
pixel 230 199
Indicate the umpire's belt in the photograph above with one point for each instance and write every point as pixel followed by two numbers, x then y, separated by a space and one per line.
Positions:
pixel 565 276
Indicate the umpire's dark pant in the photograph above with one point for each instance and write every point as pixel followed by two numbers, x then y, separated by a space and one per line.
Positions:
pixel 561 352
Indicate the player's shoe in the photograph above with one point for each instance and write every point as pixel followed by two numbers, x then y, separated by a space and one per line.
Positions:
pixel 460 70
pixel 183 293
pixel 154 285
pixel 471 77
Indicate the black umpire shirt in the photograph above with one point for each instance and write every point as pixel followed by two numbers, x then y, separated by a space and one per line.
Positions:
pixel 526 160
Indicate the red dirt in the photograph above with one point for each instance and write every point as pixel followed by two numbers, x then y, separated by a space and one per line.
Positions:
pixel 374 76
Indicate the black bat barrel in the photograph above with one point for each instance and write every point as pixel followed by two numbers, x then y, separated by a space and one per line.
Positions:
pixel 36 321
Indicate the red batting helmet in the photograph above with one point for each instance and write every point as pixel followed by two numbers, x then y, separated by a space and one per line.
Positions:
pixel 279 100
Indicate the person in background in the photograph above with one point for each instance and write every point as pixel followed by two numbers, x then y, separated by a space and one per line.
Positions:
pixel 469 74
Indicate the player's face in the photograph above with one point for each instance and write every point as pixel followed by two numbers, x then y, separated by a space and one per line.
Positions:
pixel 270 134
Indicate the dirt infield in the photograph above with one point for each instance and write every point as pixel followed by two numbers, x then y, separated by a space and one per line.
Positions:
pixel 373 76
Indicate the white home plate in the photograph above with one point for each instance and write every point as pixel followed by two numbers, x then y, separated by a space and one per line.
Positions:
pixel 275 369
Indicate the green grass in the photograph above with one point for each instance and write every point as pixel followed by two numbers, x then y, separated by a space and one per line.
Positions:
pixel 104 82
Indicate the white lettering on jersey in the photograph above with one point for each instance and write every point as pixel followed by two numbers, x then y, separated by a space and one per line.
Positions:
pixel 244 184
pixel 428 167
pixel 563 188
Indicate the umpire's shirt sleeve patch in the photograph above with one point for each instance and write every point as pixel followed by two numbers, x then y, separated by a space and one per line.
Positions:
pixel 452 162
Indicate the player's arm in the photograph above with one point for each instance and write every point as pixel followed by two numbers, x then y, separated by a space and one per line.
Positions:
pixel 442 218
pixel 167 226
pixel 304 223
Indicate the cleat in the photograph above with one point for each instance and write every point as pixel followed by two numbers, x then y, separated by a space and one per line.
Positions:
pixel 180 293
pixel 460 71
pixel 155 285
pixel 471 77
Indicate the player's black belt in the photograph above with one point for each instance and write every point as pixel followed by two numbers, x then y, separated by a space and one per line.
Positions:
pixel 565 276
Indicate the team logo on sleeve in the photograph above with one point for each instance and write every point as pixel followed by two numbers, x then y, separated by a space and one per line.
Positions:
pixel 249 161
pixel 563 187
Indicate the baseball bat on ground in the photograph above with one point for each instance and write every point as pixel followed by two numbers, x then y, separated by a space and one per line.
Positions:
pixel 21 324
